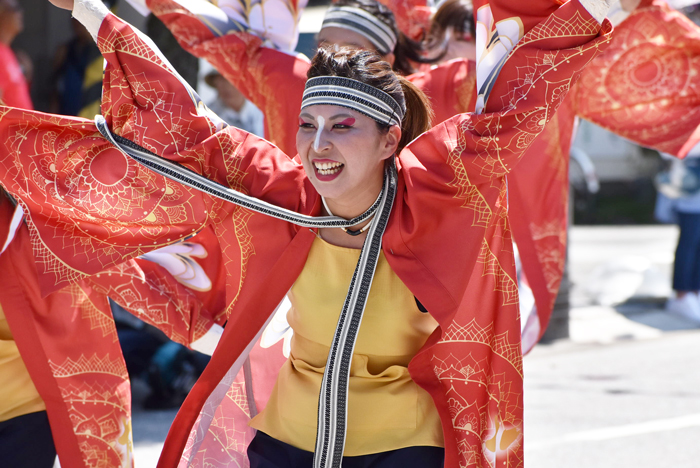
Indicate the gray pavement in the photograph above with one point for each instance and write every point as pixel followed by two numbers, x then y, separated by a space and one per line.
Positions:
pixel 631 403
pixel 623 391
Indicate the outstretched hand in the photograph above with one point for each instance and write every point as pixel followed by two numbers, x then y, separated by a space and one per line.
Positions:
pixel 65 4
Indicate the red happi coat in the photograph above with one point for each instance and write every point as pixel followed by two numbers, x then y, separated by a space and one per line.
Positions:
pixel 274 82
pixel 645 87
pixel 412 16
pixel 69 343
pixel 448 237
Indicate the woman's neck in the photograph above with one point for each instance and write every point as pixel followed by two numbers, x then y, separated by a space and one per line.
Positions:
pixel 357 201
pixel 352 208
pixel 348 210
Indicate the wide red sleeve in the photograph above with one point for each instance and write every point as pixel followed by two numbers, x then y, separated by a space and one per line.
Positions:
pixel 450 86
pixel 271 79
pixel 89 206
pixel 455 173
pixel 178 289
pixel 646 85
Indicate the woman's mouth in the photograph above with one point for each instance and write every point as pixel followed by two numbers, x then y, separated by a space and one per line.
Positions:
pixel 327 170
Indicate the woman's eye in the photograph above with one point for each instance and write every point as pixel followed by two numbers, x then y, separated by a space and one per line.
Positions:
pixel 345 124
pixel 306 125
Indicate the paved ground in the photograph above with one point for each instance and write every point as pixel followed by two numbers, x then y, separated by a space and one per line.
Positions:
pixel 623 392
pixel 632 403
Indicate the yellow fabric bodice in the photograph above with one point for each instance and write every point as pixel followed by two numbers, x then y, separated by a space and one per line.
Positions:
pixel 18 395
pixel 386 409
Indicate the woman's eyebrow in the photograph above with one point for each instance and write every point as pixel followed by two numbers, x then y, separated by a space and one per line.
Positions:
pixel 342 116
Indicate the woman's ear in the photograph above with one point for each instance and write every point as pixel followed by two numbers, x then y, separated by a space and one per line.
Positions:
pixel 391 141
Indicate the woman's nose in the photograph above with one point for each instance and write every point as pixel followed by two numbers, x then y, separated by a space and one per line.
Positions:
pixel 320 143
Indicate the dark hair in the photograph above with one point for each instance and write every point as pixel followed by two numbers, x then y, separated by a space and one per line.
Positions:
pixel 369 68
pixel 457 15
pixel 407 50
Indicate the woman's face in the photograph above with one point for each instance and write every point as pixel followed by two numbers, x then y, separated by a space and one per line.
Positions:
pixel 343 154
pixel 459 47
pixel 332 36
pixel 11 18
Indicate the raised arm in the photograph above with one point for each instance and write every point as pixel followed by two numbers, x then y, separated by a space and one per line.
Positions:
pixel 250 44
pixel 91 207
pixel 646 85
pixel 530 85
pixel 462 163
pixel 500 26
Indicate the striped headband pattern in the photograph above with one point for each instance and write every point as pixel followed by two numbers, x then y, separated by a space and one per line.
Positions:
pixel 364 23
pixel 355 95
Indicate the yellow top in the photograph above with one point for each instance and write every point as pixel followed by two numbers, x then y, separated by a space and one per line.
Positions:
pixel 386 409
pixel 18 395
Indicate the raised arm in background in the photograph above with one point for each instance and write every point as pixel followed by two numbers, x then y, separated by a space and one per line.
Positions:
pixel 250 44
pixel 646 86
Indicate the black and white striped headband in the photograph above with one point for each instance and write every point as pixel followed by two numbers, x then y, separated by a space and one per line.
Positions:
pixel 364 23
pixel 355 95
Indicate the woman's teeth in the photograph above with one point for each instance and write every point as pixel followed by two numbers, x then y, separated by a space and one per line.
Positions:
pixel 327 168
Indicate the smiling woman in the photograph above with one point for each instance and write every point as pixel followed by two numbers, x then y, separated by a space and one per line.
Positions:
pixel 354 118
pixel 405 347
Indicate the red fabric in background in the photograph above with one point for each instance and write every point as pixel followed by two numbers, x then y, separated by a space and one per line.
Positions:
pixel 68 342
pixel 14 90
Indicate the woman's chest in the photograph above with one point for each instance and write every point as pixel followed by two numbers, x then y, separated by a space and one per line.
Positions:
pixel 392 325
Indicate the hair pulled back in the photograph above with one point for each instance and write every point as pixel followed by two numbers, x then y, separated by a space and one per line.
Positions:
pixel 368 67
pixel 454 15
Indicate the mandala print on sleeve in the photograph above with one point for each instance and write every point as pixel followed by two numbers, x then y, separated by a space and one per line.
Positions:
pixel 505 283
pixel 95 388
pixel 646 86
pixel 473 198
pixel 489 424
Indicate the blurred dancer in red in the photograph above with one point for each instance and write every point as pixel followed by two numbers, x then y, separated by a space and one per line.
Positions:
pixel 14 90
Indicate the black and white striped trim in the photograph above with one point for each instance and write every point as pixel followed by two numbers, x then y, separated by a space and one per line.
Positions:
pixel 332 409
pixel 364 23
pixel 333 400
pixel 185 176
pixel 353 94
